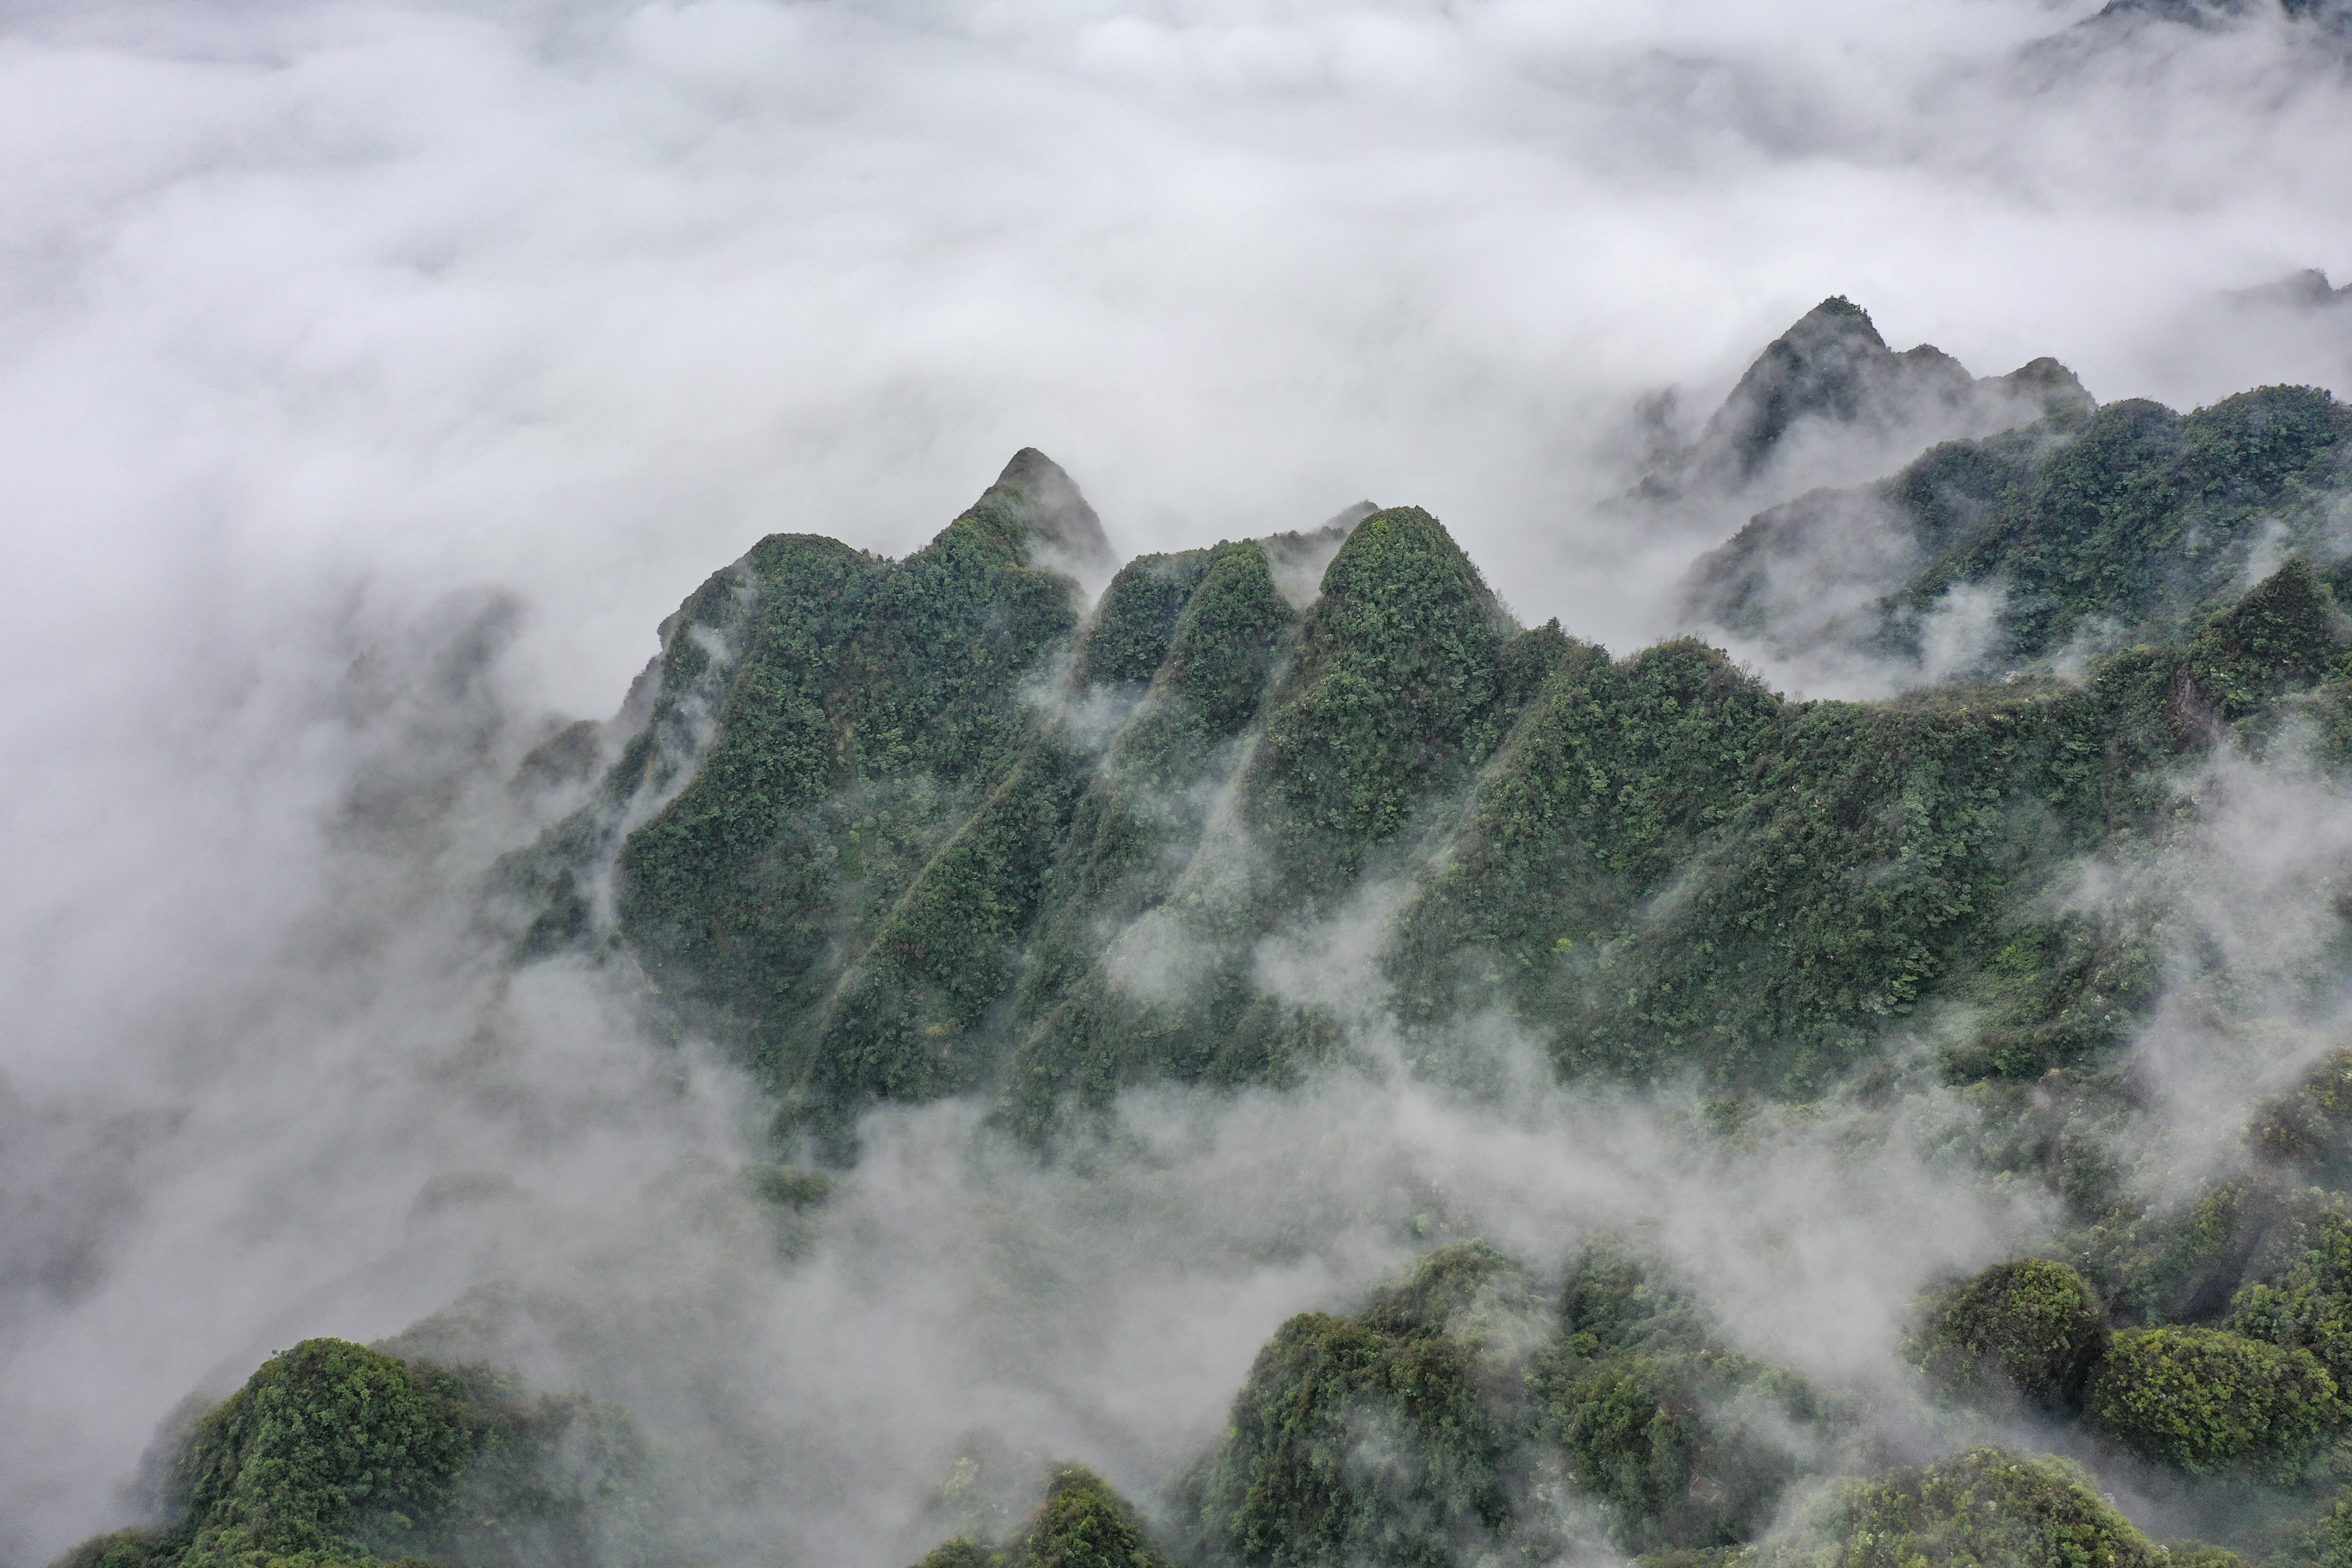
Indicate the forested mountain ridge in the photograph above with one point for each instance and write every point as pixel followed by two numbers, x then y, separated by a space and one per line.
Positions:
pixel 2070 538
pixel 1259 813
pixel 949 833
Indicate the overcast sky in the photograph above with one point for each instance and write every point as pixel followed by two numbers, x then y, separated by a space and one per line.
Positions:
pixel 581 298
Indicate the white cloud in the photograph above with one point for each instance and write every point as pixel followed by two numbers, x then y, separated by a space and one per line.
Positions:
pixel 322 324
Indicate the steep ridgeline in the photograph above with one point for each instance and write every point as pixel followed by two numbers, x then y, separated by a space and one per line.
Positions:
pixel 1828 402
pixel 2316 20
pixel 2069 538
pixel 904 830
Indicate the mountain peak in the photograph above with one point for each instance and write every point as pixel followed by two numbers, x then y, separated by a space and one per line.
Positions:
pixel 1837 308
pixel 1831 363
pixel 1828 395
pixel 2049 385
pixel 1061 529
pixel 1403 553
pixel 1030 468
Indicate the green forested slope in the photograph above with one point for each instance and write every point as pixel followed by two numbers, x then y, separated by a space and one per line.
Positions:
pixel 949 836
pixel 333 1455
pixel 2095 531
pixel 899 830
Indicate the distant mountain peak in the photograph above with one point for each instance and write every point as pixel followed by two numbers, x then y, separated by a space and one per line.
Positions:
pixel 1831 364
pixel 2050 385
pixel 2306 290
pixel 1827 401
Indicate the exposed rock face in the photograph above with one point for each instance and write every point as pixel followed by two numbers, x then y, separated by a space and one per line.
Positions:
pixel 2331 15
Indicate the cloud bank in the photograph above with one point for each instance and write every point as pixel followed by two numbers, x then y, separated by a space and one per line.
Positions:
pixel 374 377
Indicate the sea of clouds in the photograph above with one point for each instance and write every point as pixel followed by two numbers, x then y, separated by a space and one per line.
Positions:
pixel 373 378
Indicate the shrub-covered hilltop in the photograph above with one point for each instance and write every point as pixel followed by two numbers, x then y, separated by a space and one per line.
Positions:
pixel 336 1456
pixel 1467 1415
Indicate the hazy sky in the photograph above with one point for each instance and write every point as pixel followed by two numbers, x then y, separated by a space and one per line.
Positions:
pixel 582 298
pixel 327 330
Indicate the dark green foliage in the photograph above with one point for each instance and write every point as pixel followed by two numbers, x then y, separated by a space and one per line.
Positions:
pixel 1393 695
pixel 2286 632
pixel 1832 866
pixel 1126 641
pixel 2210 1402
pixel 1682 1448
pixel 123 1549
pixel 1083 1523
pixel 890 863
pixel 915 861
pixel 1217 662
pixel 329 1435
pixel 333 1453
pixel 1953 490
pixel 2058 1130
pixel 1467 1291
pixel 943 640
pixel 1132 837
pixel 1142 815
pixel 1610 1303
pixel 2078 542
pixel 2147 515
pixel 1765 582
pixel 957 1554
pixel 1349 1445
pixel 1689 1444
pixel 1378 1440
pixel 567 757
pixel 698 893
pixel 2323 1540
pixel 2183 1264
pixel 1401 1435
pixel 2310 1309
pixel 787 1188
pixel 2029 1329
pixel 901 1023
pixel 2132 524
pixel 2310 1130
pixel 2201 1555
pixel 1612 774
pixel 1989 1508
pixel 946 838
pixel 859 711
